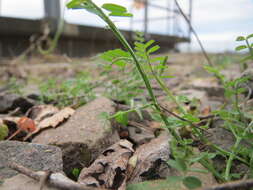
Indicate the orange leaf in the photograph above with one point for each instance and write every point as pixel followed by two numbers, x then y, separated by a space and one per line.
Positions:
pixel 26 124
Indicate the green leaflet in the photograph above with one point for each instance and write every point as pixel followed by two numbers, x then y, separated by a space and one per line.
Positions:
pixel 116 10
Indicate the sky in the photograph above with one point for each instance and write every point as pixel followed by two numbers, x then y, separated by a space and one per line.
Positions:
pixel 217 22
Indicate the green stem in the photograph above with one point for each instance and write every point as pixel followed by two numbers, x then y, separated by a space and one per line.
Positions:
pixel 124 42
pixel 249 47
pixel 233 155
pixel 132 110
pixel 164 87
pixel 210 168
pixel 231 158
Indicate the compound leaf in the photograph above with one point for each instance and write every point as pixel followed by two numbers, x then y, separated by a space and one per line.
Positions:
pixel 240 38
pixel 239 48
pixel 153 49
pixel 249 36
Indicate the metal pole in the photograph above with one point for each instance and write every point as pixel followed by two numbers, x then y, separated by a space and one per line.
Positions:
pixel 52 9
pixel 0 7
pixel 146 18
pixel 190 20
pixel 131 23
pixel 169 18
pixel 174 22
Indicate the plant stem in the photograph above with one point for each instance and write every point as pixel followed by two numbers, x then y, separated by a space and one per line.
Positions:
pixel 231 158
pixel 124 42
pixel 132 110
pixel 164 87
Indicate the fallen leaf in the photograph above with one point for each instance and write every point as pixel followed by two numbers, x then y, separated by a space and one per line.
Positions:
pixel 57 118
pixel 52 121
pixel 26 124
pixel 40 112
pixel 149 158
pixel 109 170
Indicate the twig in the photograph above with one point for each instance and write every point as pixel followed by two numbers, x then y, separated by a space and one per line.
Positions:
pixel 207 117
pixel 141 126
pixel 182 119
pixel 56 180
pixel 43 180
pixel 236 185
pixel 195 34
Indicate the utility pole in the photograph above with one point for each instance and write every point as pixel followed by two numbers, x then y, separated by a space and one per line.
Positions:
pixel 146 18
pixel 190 24
pixel 52 9
pixel 52 13
pixel 0 7
pixel 190 19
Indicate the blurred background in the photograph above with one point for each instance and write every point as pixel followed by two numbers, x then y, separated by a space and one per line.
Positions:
pixel 217 23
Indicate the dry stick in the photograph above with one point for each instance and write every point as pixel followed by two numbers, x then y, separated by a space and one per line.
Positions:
pixel 236 185
pixel 182 119
pixel 56 180
pixel 195 34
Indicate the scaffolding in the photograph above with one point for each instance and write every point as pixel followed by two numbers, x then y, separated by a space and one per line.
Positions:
pixel 172 15
pixel 77 37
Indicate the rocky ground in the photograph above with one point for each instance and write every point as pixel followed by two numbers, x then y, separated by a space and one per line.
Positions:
pixel 77 141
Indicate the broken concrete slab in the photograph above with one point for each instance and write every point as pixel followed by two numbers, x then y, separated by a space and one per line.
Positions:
pixel 34 156
pixel 83 137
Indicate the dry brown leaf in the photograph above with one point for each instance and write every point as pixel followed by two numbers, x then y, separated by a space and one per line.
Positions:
pixel 40 112
pixel 109 170
pixel 57 118
pixel 24 124
pixel 53 121
pixel 148 158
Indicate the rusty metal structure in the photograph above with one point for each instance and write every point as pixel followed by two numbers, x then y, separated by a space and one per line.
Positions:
pixel 172 15
pixel 80 40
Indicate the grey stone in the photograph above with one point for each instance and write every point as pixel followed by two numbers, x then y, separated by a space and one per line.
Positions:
pixel 84 135
pixel 140 136
pixel 34 156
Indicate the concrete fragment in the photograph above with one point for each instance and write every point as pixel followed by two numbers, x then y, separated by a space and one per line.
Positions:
pixel 34 156
pixel 84 135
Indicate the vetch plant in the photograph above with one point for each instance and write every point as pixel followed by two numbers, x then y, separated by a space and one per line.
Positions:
pixel 117 10
pixel 147 69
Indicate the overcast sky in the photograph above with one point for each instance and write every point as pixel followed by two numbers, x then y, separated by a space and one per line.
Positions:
pixel 218 22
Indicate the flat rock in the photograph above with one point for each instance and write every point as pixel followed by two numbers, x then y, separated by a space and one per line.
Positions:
pixel 34 156
pixel 84 135
pixel 22 182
